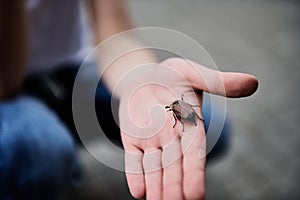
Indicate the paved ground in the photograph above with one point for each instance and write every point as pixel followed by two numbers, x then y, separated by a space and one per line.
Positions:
pixel 260 37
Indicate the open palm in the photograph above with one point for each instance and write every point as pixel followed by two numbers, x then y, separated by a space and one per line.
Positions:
pixel 162 161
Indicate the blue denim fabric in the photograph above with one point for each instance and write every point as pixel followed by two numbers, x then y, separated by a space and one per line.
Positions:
pixel 222 145
pixel 37 155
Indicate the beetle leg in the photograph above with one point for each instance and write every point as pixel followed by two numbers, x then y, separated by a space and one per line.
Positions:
pixel 175 120
pixel 181 97
pixel 200 118
pixel 196 106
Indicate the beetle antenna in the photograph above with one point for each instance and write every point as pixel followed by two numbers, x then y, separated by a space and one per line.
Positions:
pixel 167 107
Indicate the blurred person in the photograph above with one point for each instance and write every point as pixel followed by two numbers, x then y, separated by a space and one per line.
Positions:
pixel 41 50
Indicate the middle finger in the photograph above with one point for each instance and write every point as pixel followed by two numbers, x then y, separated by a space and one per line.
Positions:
pixel 172 170
pixel 153 173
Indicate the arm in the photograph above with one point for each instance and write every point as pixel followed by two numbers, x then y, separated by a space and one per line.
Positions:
pixel 13 48
pixel 111 17
pixel 159 164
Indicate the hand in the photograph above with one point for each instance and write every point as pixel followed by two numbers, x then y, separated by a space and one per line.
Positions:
pixel 163 162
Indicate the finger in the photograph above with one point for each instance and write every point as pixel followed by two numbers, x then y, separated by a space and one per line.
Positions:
pixel 153 174
pixel 213 81
pixel 172 170
pixel 193 147
pixel 134 171
pixel 238 84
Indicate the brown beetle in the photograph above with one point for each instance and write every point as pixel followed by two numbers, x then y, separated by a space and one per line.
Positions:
pixel 184 112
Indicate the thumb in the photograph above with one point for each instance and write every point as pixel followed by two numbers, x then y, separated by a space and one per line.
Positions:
pixel 229 84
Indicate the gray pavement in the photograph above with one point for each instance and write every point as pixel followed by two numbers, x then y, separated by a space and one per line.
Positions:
pixel 260 37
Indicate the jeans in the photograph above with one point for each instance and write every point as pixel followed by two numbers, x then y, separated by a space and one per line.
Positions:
pixel 38 157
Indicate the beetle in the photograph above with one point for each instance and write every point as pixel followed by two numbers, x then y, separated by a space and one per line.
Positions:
pixel 184 112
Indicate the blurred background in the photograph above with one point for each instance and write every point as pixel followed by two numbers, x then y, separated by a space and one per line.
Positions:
pixel 260 37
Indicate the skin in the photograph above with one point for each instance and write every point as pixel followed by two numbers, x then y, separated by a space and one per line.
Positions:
pixel 185 177
pixel 179 170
